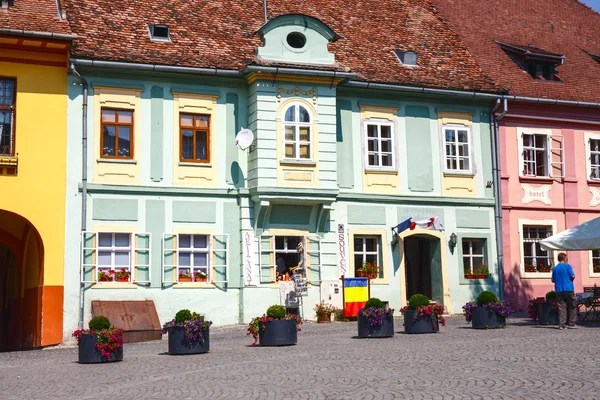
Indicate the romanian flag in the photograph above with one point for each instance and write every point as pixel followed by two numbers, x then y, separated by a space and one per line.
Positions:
pixel 356 295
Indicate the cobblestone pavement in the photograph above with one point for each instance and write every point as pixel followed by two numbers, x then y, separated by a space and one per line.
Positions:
pixel 523 361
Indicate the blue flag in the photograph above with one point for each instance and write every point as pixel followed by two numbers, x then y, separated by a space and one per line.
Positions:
pixel 402 226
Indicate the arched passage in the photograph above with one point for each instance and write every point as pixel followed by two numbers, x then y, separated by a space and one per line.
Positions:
pixel 21 283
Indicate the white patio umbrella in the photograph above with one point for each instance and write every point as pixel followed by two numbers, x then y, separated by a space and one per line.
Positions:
pixel 581 237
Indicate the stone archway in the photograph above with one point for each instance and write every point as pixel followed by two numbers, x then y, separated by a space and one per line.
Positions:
pixel 21 283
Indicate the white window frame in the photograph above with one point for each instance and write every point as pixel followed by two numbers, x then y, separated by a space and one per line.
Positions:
pixel 551 254
pixel 379 123
pixel 214 253
pixel 546 157
pixel 456 143
pixel 297 124
pixel 472 255
pixel 134 254
pixel 310 259
pixel 193 251
pixel 550 166
pixel 592 273
pixel 365 253
pixel 589 152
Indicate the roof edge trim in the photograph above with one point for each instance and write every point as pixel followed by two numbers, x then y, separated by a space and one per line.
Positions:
pixel 41 35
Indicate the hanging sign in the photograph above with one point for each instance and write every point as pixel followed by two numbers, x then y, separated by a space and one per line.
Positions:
pixel 248 244
pixel 342 250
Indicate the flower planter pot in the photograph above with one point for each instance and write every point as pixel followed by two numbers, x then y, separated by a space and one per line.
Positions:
pixel 88 354
pixel 199 279
pixel 482 318
pixel 278 333
pixel 185 279
pixel 423 324
pixel 546 315
pixel 324 318
pixel 178 344
pixel 122 279
pixel 366 330
pixel 475 276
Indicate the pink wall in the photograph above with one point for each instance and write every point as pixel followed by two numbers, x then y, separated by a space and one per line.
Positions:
pixel 569 196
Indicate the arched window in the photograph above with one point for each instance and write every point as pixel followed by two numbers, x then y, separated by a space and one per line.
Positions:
pixel 297 133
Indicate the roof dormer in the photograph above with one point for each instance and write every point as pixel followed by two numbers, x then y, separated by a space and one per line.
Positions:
pixel 539 63
pixel 296 39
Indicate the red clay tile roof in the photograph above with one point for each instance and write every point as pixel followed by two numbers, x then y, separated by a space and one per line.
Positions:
pixel 33 15
pixel 564 27
pixel 222 34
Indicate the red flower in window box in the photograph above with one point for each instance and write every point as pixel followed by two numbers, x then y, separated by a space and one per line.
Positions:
pixel 106 276
pixel 530 268
pixel 200 276
pixel 544 268
pixel 368 270
pixel 123 275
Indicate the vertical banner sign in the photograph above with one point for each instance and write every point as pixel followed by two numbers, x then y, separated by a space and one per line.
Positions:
pixel 342 250
pixel 248 246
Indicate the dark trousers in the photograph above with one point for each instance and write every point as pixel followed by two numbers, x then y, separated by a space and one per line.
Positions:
pixel 564 300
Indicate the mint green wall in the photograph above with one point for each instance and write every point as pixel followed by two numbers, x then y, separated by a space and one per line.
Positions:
pixel 114 209
pixel 194 211
pixel 418 143
pixel 156 134
pixel 345 141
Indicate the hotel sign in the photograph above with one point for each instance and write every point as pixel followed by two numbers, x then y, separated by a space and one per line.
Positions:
pixel 541 194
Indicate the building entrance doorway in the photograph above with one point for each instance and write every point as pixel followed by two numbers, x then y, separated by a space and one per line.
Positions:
pixel 423 266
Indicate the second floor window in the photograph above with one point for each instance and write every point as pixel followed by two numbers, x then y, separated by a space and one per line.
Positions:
pixel 380 145
pixel 7 117
pixel 194 138
pixel 535 155
pixel 297 132
pixel 117 134
pixel 594 159
pixel 457 149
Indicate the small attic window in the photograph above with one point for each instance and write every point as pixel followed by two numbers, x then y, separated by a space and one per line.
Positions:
pixel 296 40
pixel 159 32
pixel 408 58
pixel 540 64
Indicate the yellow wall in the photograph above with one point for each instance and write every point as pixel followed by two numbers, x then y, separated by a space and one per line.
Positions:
pixel 37 192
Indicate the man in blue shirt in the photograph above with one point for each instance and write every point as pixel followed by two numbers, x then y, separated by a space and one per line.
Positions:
pixel 563 276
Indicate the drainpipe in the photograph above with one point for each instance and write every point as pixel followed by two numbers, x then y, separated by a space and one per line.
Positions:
pixel 83 182
pixel 496 169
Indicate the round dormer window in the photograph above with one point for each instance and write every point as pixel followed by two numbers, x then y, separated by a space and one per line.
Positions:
pixel 296 40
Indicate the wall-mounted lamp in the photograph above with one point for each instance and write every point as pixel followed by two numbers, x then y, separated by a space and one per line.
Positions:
pixel 453 240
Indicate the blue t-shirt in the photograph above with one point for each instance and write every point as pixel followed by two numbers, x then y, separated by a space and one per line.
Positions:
pixel 561 276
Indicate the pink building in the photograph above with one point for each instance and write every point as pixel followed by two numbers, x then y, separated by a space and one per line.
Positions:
pixel 547 56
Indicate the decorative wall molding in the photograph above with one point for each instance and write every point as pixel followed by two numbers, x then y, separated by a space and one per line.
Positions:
pixel 595 196
pixel 541 194
pixel 297 92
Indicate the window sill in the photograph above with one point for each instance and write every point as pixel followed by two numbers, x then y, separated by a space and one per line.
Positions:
pixel 381 171
pixel 307 163
pixel 115 161
pixel 593 182
pixel 536 179
pixel 466 174
pixel 114 285
pixel 193 285
pixel 536 275
pixel 193 164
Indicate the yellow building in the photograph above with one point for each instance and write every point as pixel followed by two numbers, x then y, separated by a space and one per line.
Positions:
pixel 34 48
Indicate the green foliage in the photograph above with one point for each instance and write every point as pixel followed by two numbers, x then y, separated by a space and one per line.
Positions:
pixel 276 311
pixel 486 297
pixel 99 323
pixel 197 317
pixel 374 302
pixel 417 300
pixel 551 295
pixel 183 315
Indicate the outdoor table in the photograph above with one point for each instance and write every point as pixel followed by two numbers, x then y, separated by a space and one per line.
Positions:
pixel 584 300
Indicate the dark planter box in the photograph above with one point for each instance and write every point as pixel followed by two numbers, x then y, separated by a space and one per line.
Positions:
pixel 88 354
pixel 278 333
pixel 546 315
pixel 482 318
pixel 179 345
pixel 423 324
pixel 366 330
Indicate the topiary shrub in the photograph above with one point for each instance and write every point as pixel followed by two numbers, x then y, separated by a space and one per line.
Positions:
pixel 276 311
pixel 551 295
pixel 417 300
pixel 486 297
pixel 99 323
pixel 183 315
pixel 374 302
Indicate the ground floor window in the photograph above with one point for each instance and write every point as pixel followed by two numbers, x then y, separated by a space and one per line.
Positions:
pixel 474 265
pixel 367 249
pixel 193 260
pixel 289 253
pixel 536 259
pixel 596 261
pixel 114 256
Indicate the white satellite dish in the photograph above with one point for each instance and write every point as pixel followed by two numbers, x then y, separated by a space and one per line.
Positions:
pixel 244 138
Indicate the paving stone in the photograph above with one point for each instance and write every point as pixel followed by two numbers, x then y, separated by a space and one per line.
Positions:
pixel 522 361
